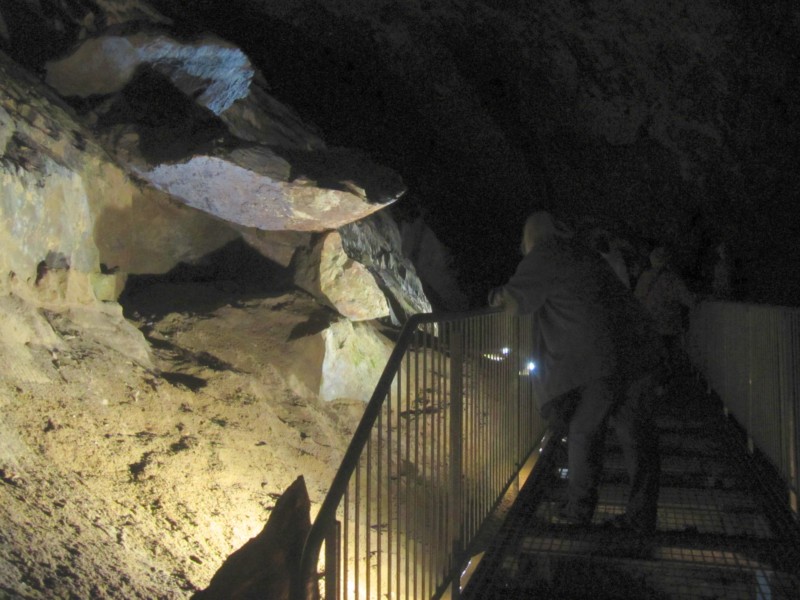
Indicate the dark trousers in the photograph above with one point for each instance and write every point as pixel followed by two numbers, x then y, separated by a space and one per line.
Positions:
pixel 627 409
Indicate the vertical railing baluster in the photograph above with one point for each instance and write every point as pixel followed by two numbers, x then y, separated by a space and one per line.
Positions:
pixel 368 476
pixel 357 561
pixel 487 390
pixel 425 474
pixel 398 484
pixel 794 405
pixel 346 545
pixel 502 372
pixel 473 423
pixel 410 533
pixel 456 434
pixel 437 412
pixel 418 525
pixel 445 443
pixel 442 460
pixel 379 509
pixel 332 561
pixel 388 479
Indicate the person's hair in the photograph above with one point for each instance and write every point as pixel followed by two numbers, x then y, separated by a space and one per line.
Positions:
pixel 541 227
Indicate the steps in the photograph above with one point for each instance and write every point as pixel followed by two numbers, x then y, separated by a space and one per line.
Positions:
pixel 721 533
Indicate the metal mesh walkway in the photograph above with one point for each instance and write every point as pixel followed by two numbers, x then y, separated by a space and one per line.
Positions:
pixel 724 529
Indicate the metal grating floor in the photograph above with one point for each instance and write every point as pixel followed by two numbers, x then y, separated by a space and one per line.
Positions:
pixel 724 530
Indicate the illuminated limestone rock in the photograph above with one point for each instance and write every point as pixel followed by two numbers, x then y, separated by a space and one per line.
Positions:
pixel 327 273
pixel 375 242
pixel 255 186
pixel 355 356
pixel 194 120
pixel 65 204
pixel 198 124
pixel 73 225
pixel 360 271
pixel 214 73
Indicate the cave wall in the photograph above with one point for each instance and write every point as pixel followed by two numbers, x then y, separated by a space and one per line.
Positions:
pixel 74 224
pixel 673 121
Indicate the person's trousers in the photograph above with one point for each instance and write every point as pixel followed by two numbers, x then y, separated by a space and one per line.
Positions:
pixel 627 409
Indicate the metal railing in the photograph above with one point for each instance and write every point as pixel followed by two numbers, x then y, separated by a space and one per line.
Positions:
pixel 450 425
pixel 750 355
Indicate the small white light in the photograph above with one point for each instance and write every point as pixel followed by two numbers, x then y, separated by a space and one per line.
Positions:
pixel 531 366
pixel 563 473
pixel 505 350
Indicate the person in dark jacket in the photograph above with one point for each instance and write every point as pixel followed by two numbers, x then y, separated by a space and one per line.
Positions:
pixel 598 353
pixel 668 301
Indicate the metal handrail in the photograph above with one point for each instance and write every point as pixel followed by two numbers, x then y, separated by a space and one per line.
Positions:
pixel 325 523
pixel 749 355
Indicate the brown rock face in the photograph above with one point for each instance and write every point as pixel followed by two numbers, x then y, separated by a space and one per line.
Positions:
pixel 70 215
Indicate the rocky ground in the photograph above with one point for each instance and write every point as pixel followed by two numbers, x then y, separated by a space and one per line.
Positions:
pixel 119 480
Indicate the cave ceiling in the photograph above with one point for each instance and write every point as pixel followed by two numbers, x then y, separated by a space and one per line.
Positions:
pixel 670 121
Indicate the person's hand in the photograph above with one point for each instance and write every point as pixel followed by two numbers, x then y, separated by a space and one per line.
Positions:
pixel 496 297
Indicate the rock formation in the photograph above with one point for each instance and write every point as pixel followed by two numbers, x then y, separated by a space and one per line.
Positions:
pixel 74 224
pixel 194 119
pixel 139 140
pixel 653 116
pixel 362 272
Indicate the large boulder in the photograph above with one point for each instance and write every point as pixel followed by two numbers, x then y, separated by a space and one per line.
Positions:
pixel 376 243
pixel 215 73
pixel 360 271
pixel 326 272
pixel 193 118
pixel 255 186
pixel 355 357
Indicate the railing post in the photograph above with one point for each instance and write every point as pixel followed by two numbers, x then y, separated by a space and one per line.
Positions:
pixel 749 317
pixel 456 459
pixel 332 564
pixel 516 374
pixel 794 408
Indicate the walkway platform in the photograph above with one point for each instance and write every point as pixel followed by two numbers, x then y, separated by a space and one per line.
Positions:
pixel 724 528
